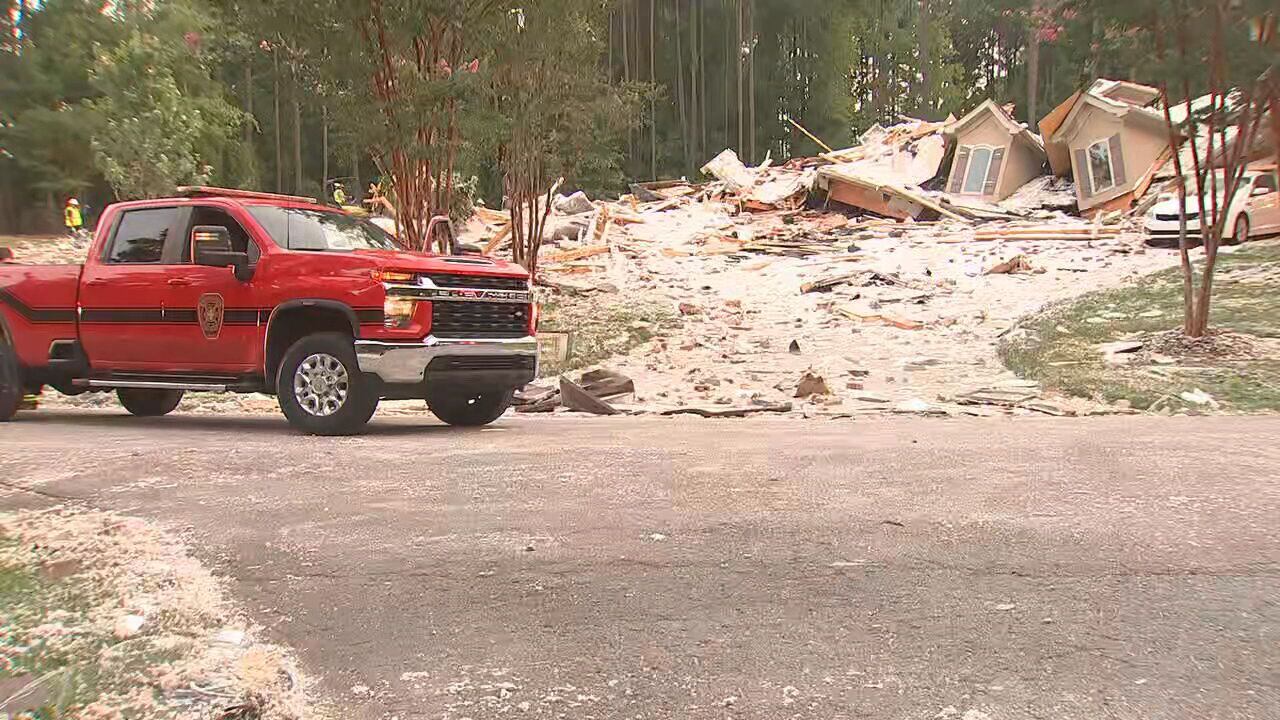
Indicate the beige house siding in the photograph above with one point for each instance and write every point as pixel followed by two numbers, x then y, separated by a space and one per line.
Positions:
pixel 1094 125
pixel 1141 146
pixel 1022 165
pixel 987 132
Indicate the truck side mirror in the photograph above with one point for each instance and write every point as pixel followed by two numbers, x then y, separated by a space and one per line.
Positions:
pixel 211 246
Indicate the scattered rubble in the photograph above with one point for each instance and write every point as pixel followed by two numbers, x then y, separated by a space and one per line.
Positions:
pixel 855 259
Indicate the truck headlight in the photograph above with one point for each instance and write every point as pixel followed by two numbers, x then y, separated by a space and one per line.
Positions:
pixel 397 312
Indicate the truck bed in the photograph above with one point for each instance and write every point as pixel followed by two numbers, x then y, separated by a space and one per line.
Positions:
pixel 38 306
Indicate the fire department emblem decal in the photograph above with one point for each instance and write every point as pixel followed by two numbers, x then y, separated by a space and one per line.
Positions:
pixel 209 312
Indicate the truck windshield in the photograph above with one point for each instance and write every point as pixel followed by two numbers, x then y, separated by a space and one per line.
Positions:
pixel 320 231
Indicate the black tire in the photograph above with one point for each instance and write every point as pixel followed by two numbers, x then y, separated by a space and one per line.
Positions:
pixel 147 402
pixel 307 406
pixel 1241 230
pixel 11 391
pixel 470 409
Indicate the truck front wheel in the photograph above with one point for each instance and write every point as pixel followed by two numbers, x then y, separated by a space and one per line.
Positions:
pixel 10 382
pixel 321 389
pixel 146 402
pixel 470 409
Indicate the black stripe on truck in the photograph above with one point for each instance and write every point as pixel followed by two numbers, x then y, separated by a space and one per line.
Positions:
pixel 39 316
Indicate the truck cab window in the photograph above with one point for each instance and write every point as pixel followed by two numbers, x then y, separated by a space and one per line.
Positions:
pixel 240 241
pixel 140 236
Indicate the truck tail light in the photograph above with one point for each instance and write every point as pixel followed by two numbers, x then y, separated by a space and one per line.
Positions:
pixel 535 313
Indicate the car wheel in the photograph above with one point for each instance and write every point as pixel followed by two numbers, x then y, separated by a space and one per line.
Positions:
pixel 470 409
pixel 320 387
pixel 147 402
pixel 1242 229
pixel 10 382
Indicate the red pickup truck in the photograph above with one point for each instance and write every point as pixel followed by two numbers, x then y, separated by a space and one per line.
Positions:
pixel 226 290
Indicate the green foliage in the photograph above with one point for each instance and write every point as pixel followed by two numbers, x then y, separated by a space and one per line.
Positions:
pixel 151 136
pixel 123 98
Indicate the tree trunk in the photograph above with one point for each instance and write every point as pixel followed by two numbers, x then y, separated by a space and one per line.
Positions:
pixel 684 113
pixel 1033 62
pixel 751 76
pixel 355 167
pixel 730 57
pixel 297 140
pixel 324 150
pixel 653 102
pixel 925 101
pixel 737 63
pixel 702 84
pixel 275 96
pixel 627 77
pixel 247 94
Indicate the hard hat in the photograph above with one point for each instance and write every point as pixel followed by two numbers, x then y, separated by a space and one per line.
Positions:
pixel 73 201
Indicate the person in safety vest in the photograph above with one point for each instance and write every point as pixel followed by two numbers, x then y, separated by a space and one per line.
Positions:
pixel 72 217
pixel 339 194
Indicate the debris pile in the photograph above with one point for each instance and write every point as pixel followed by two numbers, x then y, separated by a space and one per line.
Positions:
pixel 796 294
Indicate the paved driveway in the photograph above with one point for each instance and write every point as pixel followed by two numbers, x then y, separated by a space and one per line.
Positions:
pixel 662 568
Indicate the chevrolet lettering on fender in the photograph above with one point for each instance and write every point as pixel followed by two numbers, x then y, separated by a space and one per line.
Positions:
pixel 234 291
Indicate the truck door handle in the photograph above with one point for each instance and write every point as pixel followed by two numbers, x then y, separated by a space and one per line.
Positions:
pixel 179 282
pixel 95 281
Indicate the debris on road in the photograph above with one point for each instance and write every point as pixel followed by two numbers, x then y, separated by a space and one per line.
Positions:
pixel 812 384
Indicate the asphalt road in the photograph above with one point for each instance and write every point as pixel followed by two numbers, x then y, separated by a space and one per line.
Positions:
pixel 658 568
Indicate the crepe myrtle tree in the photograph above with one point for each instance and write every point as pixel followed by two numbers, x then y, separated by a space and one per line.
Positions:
pixel 1217 65
pixel 552 112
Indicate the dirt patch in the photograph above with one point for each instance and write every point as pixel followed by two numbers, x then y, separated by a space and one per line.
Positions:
pixel 1217 345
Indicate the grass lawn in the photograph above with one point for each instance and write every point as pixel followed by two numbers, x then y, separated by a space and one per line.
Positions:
pixel 56 656
pixel 47 681
pixel 1059 346
pixel 601 325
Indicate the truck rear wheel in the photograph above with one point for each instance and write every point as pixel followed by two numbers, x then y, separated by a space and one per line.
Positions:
pixel 470 409
pixel 320 387
pixel 10 382
pixel 148 402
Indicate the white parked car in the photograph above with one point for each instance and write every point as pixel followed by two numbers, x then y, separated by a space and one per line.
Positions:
pixel 1252 213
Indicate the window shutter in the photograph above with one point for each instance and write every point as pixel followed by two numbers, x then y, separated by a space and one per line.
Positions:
pixel 958 169
pixel 993 172
pixel 1082 173
pixel 1117 160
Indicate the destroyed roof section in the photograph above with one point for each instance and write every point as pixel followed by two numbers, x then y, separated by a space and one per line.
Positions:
pixel 1059 156
pixel 1125 92
pixel 1071 122
pixel 1112 153
pixel 990 142
pixel 1005 120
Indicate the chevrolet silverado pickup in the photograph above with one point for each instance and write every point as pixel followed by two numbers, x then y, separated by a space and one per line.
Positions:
pixel 232 291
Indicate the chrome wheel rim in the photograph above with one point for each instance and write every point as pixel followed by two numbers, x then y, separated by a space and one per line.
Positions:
pixel 321 384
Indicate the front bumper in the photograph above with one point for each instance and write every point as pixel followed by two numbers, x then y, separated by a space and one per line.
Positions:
pixel 504 363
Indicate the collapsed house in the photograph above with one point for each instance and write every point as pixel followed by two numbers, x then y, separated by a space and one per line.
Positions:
pixel 995 155
pixel 1111 140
